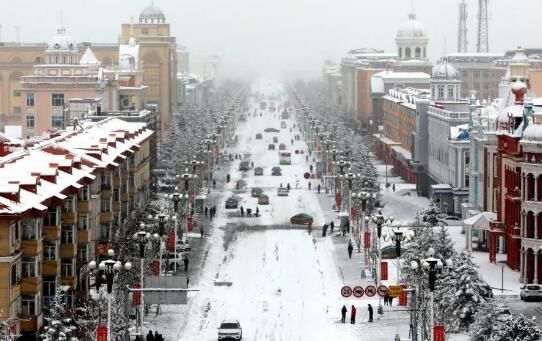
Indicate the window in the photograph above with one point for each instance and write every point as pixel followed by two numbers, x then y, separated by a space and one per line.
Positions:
pixel 50 250
pixel 31 304
pixel 440 91
pixel 30 122
pixel 57 100
pixel 467 158
pixel 17 110
pixel 106 204
pixel 14 233
pixel 400 52
pixel 67 235
pixel 16 272
pixel 66 268
pixel 51 218
pixel 104 232
pixel 83 222
pixel 31 267
pixel 82 253
pixel 451 92
pixel 407 52
pixel 84 194
pixel 70 204
pixel 106 181
pixel 418 52
pixel 145 30
pixel 49 286
pixel 29 99
pixel 467 181
pixel 116 194
pixel 57 121
pixel 32 228
pixel 17 93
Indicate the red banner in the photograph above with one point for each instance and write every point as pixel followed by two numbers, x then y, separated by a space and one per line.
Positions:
pixel 101 333
pixel 353 213
pixel 136 295
pixel 438 332
pixel 384 271
pixel 338 199
pixel 101 249
pixel 155 267
pixel 189 224
pixel 403 298
pixel 367 239
pixel 171 241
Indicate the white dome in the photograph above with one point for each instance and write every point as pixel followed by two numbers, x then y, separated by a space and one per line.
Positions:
pixel 152 12
pixel 520 57
pixel 444 70
pixel 533 132
pixel 61 42
pixel 412 28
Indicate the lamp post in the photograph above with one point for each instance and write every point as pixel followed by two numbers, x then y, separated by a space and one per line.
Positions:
pixel 142 238
pixel 111 268
pixel 432 266
pixel 379 219
pixel 398 237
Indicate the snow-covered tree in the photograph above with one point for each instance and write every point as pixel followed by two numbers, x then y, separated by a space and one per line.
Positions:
pixel 60 323
pixel 459 293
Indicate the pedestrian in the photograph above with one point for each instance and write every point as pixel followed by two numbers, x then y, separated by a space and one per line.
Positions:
pixel 390 300
pixel 309 185
pixel 348 227
pixel 138 338
pixel 281 185
pixel 353 315
pixel 252 164
pixel 393 187
pixel 331 227
pixel 249 212
pixel 318 188
pixel 343 314
pixel 237 185
pixel 228 178
pixel 307 158
pixel 201 231
pixel 185 260
pixel 288 186
pixel 350 249
pixel 150 337
pixel 206 209
pixel 242 211
pixel 156 336
pixel 324 230
pixel 160 338
pixel 257 211
pixel 214 183
pixel 370 309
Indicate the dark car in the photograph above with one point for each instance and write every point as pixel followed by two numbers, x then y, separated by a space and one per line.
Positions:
pixel 389 252
pixel 232 203
pixel 256 192
pixel 244 166
pixel 258 171
pixel 271 130
pixel 271 146
pixel 259 136
pixel 282 146
pixel 275 139
pixel 276 171
pixel 263 199
pixel 301 219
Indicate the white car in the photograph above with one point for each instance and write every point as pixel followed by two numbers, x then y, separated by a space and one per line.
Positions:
pixel 282 192
pixel 182 246
pixel 531 292
pixel 230 330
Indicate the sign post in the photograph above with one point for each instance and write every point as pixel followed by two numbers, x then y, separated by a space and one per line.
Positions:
pixel 394 290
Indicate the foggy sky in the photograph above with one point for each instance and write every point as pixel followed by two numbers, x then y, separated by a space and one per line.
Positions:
pixel 277 37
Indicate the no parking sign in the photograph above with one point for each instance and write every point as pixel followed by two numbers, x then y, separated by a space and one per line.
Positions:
pixel 382 290
pixel 358 291
pixel 370 291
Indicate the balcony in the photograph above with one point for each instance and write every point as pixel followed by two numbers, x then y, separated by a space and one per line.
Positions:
pixel 106 192
pixel 83 236
pixel 125 174
pixel 69 218
pixel 51 267
pixel 15 291
pixel 133 190
pixel 51 233
pixel 116 182
pixel 68 250
pixel 69 281
pixel 116 206
pixel 31 323
pixel 106 217
pixel 532 205
pixel 31 285
pixel 15 247
pixel 124 197
pixel 32 247
pixel 84 206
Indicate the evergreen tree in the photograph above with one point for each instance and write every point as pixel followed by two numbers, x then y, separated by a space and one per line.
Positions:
pixel 60 322
pixel 515 327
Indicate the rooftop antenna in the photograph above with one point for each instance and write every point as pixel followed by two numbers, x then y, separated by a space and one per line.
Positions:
pixel 462 30
pixel 483 31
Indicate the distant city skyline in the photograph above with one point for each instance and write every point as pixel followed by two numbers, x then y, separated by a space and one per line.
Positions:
pixel 293 37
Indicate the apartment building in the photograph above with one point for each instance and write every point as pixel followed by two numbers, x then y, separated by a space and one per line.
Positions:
pixel 60 201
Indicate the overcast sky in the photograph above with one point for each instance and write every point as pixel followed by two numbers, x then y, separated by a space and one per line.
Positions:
pixel 276 37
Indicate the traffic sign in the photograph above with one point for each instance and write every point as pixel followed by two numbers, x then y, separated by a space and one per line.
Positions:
pixel 382 290
pixel 370 291
pixel 306 175
pixel 394 290
pixel 346 291
pixel 358 291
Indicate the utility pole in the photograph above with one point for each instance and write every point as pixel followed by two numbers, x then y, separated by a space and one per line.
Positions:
pixel 462 31
pixel 483 32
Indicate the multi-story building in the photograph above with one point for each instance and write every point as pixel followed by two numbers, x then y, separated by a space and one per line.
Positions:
pixel 60 201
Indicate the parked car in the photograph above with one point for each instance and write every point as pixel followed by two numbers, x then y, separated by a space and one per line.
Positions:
pixel 275 139
pixel 263 199
pixel 276 171
pixel 259 136
pixel 244 166
pixel 271 146
pixel 182 246
pixel 389 252
pixel 230 330
pixel 283 125
pixel 232 203
pixel 301 219
pixel 282 146
pixel 258 171
pixel 256 192
pixel 531 292
pixel 170 258
pixel 282 192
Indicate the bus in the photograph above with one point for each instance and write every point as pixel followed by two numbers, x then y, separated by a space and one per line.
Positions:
pixel 285 157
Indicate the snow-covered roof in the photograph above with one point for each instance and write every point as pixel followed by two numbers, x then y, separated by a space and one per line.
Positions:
pixel 402 75
pixel 460 132
pixel 89 58
pixel 151 12
pixel 412 29
pixel 533 133
pixel 515 111
pixel 129 55
pixel 444 70
pixel 61 42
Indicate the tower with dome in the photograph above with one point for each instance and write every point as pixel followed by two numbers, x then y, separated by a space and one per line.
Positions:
pixel 445 83
pixel 412 40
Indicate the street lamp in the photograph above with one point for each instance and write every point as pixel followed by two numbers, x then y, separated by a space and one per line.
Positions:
pixel 432 266
pixel 398 237
pixel 142 238
pixel 379 219
pixel 110 268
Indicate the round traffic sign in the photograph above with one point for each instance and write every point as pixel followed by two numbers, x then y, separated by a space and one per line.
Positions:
pixel 358 291
pixel 306 175
pixel 346 291
pixel 382 290
pixel 370 291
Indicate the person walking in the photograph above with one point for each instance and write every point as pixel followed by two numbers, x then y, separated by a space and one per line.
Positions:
pixel 257 211
pixel 214 183
pixel 343 314
pixel 390 300
pixel 331 227
pixel 350 249
pixel 242 211
pixel 288 186
pixel 206 211
pixel 353 315
pixel 370 309
pixel 156 336
pixel 309 185
pixel 324 230
pixel 249 212
pixel 319 188
pixel 185 261
pixel 150 337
